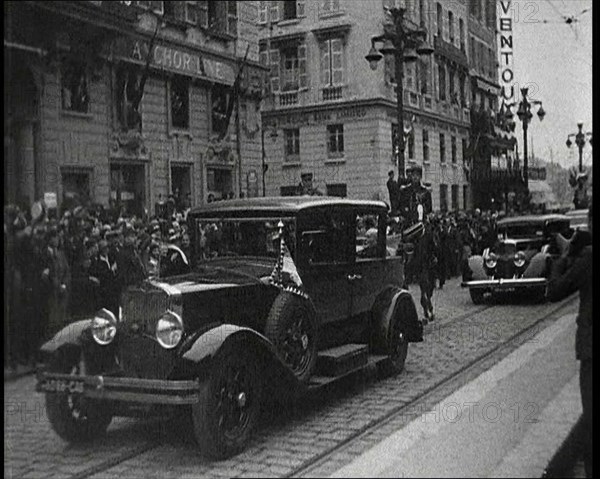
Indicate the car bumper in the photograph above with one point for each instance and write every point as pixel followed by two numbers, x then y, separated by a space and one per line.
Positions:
pixel 149 391
pixel 505 283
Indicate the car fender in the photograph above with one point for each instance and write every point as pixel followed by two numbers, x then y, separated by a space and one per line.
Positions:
pixel 205 348
pixel 385 305
pixel 477 268
pixel 71 335
pixel 537 267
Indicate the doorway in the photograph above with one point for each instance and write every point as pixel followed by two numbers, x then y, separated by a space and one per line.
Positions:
pixel 181 186
pixel 75 188
pixel 127 189
pixel 219 182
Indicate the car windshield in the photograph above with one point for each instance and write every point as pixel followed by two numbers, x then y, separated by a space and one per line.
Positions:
pixel 521 230
pixel 243 237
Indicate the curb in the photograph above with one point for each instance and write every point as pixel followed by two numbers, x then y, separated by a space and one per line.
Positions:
pixel 567 454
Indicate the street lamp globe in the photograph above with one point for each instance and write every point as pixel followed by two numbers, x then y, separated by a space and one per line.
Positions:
pixel 410 55
pixel 373 58
pixel 425 49
pixel 541 113
pixel 388 48
pixel 569 143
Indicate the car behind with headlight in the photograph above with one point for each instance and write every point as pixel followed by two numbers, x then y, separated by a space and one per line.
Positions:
pixel 520 260
pixel 275 301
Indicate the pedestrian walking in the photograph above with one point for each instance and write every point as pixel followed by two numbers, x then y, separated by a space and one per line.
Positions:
pixel 573 272
pixel 425 264
pixel 58 273
pixel 394 193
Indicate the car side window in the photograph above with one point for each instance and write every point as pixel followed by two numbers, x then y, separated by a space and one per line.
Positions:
pixel 367 236
pixel 327 238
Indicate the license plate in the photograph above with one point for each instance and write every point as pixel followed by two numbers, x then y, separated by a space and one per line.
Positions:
pixel 61 386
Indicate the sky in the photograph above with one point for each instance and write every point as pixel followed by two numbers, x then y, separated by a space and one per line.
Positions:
pixel 555 61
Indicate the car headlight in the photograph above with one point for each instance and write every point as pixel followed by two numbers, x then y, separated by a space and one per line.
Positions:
pixel 169 330
pixel 104 327
pixel 520 259
pixel 491 261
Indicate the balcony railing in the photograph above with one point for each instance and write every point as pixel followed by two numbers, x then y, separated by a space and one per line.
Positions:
pixel 331 93
pixel 288 98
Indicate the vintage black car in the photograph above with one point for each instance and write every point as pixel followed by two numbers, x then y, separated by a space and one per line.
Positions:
pixel 275 300
pixel 520 259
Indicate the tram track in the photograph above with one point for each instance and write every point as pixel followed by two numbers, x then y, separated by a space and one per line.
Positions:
pixel 318 460
pixel 430 393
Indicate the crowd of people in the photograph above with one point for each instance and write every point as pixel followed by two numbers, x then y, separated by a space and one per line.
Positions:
pixel 61 267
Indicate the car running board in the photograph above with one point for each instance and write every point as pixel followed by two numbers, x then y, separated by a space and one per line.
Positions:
pixel 317 382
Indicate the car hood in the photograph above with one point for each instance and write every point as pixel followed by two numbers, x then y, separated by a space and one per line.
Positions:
pixel 217 274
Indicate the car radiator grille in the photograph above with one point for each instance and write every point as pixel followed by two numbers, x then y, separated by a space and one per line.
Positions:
pixel 139 352
pixel 505 269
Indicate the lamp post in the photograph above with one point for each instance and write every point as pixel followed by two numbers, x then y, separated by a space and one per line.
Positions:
pixel 525 115
pixel 405 42
pixel 580 140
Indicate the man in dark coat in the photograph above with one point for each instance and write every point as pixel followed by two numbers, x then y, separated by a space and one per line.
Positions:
pixel 130 269
pixel 424 265
pixel 573 272
pixel 104 272
pixel 394 193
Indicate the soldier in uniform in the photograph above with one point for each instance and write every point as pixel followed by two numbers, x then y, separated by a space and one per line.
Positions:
pixel 412 195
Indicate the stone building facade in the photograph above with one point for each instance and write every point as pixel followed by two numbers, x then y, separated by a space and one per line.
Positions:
pixel 77 127
pixel 329 118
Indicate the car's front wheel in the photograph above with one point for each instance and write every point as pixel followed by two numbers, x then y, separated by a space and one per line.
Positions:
pixel 72 416
pixel 229 404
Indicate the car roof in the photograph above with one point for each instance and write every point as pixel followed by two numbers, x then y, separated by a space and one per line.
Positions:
pixel 285 204
pixel 531 219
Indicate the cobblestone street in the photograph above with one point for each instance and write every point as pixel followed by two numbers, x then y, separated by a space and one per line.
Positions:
pixel 288 439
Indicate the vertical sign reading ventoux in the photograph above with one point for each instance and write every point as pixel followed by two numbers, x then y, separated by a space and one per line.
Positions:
pixel 505 41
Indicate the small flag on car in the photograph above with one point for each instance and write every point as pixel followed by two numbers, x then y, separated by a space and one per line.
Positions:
pixel 285 274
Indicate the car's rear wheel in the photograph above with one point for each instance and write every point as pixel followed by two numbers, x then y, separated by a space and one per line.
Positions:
pixel 391 339
pixel 476 295
pixel 292 328
pixel 72 416
pixel 229 404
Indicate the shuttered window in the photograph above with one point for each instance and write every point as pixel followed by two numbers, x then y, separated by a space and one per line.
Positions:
pixel 274 70
pixel 263 9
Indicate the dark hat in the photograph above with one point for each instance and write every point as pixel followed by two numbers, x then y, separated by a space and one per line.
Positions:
pixel 102 244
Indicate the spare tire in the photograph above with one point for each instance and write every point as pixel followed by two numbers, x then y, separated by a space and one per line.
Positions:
pixel 292 327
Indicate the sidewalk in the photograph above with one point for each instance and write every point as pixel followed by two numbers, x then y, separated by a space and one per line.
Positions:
pixel 508 422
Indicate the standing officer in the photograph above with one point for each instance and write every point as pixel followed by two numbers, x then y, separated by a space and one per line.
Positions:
pixel 424 267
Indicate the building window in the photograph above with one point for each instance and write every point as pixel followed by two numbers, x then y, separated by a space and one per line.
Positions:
pixel 263 11
pixel 454 194
pixel 464 150
pixel 292 144
pixel 425 146
pixel 440 20
pixel 453 145
pixel 127 98
pixel 422 14
pixel 332 62
pixel 218 16
pixel 473 55
pixel 442 82
pixel 335 145
pixel 330 6
pixel 411 145
pixel 443 197
pixel 180 102
pixel 219 100
pixel 451 26
pixel 462 81
pixel 442 148
pixel 424 75
pixel 451 86
pixel 465 197
pixel 191 12
pixel 289 9
pixel 75 96
pixel 461 32
pixel 293 68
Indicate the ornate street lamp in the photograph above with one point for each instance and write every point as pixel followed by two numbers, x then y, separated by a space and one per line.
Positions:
pixel 405 43
pixel 580 140
pixel 525 115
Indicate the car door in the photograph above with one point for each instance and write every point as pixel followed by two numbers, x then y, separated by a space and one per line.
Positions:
pixel 372 269
pixel 326 241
